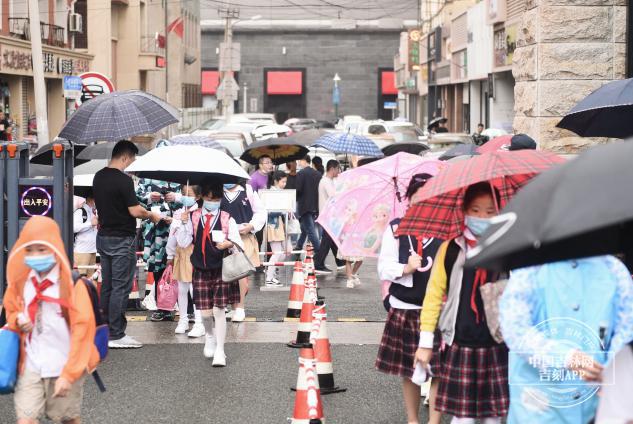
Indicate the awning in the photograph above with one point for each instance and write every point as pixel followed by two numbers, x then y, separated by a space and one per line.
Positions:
pixel 389 82
pixel 284 82
pixel 210 82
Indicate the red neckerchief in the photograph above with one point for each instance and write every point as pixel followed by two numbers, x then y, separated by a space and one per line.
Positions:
pixel 480 276
pixel 39 297
pixel 206 236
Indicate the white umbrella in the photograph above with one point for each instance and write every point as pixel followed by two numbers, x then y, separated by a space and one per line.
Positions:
pixel 84 180
pixel 187 164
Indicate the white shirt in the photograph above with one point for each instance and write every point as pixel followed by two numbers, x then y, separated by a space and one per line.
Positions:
pixel 85 232
pixel 390 268
pixel 47 351
pixel 259 211
pixel 326 190
pixel 184 232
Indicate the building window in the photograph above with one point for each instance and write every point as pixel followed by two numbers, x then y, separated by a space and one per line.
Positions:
pixel 81 38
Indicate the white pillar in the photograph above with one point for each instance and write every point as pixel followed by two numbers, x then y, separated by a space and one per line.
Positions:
pixel 38 73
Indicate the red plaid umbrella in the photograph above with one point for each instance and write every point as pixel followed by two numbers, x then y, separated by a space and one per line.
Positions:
pixel 437 210
pixel 497 143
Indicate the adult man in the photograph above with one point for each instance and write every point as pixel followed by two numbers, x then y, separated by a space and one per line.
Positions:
pixel 85 228
pixel 327 190
pixel 116 239
pixel 308 202
pixel 478 137
pixel 291 168
pixel 259 178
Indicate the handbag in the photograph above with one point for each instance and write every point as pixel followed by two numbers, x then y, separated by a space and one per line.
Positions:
pixel 167 291
pixel 236 265
pixel 9 353
pixel 293 226
pixel 490 295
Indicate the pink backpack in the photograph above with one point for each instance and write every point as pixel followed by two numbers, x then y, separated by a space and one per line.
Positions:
pixel 224 222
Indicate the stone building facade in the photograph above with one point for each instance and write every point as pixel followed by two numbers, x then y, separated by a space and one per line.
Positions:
pixel 565 50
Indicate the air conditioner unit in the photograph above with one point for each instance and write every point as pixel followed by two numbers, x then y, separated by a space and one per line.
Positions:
pixel 75 23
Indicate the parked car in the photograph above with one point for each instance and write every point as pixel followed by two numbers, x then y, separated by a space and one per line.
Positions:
pixel 235 143
pixel 267 118
pixel 300 124
pixel 245 128
pixel 441 142
pixel 399 130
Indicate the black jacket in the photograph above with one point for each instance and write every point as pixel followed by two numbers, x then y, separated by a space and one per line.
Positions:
pixel 307 186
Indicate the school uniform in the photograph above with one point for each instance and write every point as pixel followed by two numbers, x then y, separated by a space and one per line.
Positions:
pixel 474 378
pixel 401 333
pixel 85 245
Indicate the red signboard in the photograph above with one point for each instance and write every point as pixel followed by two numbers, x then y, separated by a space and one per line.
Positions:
pixel 210 82
pixel 389 82
pixel 284 82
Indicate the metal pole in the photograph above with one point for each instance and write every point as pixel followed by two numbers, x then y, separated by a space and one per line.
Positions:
pixel 245 99
pixel 38 73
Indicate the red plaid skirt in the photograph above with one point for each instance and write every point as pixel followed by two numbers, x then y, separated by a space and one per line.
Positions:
pixel 474 382
pixel 400 341
pixel 209 290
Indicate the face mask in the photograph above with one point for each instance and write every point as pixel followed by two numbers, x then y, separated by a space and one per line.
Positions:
pixel 41 263
pixel 477 225
pixel 188 201
pixel 211 205
pixel 229 186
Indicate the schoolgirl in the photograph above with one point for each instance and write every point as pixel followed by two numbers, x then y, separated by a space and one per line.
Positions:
pixel 474 378
pixel 276 231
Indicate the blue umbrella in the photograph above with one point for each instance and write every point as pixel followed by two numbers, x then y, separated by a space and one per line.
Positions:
pixel 195 140
pixel 353 144
pixel 604 113
pixel 117 116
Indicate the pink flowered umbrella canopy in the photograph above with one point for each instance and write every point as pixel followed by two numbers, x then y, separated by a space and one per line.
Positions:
pixel 368 198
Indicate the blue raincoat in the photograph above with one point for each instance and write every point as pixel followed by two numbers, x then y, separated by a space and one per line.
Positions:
pixel 547 312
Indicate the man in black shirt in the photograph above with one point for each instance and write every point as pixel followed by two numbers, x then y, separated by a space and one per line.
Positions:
pixel 116 239
pixel 307 186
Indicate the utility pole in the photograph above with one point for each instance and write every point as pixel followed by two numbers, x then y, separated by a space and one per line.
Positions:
pixel 226 61
pixel 38 73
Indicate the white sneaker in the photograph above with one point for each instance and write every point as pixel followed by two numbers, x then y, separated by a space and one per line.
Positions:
pixel 350 283
pixel 209 347
pixel 126 342
pixel 182 327
pixel 356 280
pixel 239 315
pixel 197 330
pixel 230 314
pixel 149 303
pixel 219 360
pixel 273 283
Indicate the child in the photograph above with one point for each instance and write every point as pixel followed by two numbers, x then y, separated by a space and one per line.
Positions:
pixel 245 206
pixel 276 232
pixel 85 228
pixel 56 324
pixel 211 232
pixel 180 259
pixel 474 378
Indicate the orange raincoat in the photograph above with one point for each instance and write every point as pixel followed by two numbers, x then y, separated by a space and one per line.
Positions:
pixel 83 355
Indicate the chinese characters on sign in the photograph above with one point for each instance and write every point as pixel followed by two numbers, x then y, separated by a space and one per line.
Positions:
pixel 17 59
pixel 36 200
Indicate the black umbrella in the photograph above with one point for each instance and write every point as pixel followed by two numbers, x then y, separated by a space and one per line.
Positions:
pixel 435 122
pixel 280 150
pixel 460 150
pixel 102 151
pixel 604 113
pixel 408 147
pixel 577 209
pixel 44 155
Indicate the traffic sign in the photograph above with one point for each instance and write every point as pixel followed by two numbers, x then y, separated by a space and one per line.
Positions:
pixel 72 87
pixel 93 84
pixel 390 105
pixel 228 88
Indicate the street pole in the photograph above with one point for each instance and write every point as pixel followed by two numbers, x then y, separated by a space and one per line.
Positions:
pixel 245 99
pixel 38 73
pixel 226 71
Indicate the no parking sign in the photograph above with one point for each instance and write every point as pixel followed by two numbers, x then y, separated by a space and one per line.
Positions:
pixel 93 84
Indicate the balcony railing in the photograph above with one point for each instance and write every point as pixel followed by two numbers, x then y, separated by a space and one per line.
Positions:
pixel 150 44
pixel 52 35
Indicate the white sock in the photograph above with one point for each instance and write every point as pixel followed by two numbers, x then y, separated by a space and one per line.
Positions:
pixel 208 325
pixel 183 290
pixel 197 315
pixel 457 420
pixel 491 420
pixel 220 327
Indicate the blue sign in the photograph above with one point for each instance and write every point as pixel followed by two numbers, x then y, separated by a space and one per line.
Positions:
pixel 390 105
pixel 336 95
pixel 72 83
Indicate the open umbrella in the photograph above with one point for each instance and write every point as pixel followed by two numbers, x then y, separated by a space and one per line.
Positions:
pixel 414 148
pixel 460 150
pixel 606 112
pixel 102 151
pixel 578 209
pixel 118 115
pixel 306 137
pixel 194 140
pixel 44 155
pixel 187 164
pixel 497 143
pixel 367 198
pixel 280 150
pixel 349 143
pixel 439 209
pixel 82 184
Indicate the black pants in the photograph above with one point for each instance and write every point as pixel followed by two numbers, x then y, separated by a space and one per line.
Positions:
pixel 157 276
pixel 327 244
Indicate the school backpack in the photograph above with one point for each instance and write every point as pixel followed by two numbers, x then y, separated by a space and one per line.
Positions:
pixel 102 333
pixel 224 222
pixel 84 219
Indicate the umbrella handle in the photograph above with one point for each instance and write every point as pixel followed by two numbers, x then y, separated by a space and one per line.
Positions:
pixel 395 184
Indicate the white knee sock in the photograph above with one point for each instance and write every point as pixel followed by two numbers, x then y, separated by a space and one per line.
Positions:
pixel 220 327
pixel 183 290
pixel 457 420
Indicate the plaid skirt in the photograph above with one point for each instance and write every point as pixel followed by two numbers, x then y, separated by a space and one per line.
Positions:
pixel 399 343
pixel 474 382
pixel 209 290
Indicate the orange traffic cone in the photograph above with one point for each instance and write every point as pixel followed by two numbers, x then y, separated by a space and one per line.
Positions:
pixel 305 320
pixel 308 407
pixel 321 343
pixel 308 263
pixel 295 298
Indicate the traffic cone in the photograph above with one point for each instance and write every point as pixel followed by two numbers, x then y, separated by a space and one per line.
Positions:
pixel 322 352
pixel 295 298
pixel 308 407
pixel 308 263
pixel 305 320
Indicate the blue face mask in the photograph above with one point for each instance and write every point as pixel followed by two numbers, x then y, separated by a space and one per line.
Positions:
pixel 229 186
pixel 211 205
pixel 188 201
pixel 477 225
pixel 41 263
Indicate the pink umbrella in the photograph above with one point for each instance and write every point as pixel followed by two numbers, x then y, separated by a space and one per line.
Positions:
pixel 368 198
pixel 497 143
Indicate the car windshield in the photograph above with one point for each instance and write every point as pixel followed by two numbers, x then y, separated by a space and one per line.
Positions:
pixel 212 124
pixel 234 145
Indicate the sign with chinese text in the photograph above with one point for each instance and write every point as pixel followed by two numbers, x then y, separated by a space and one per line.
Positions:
pixel 36 201
pixel 414 49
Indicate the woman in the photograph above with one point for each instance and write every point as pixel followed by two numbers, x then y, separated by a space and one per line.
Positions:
pixel 406 262
pixel 276 232
pixel 474 378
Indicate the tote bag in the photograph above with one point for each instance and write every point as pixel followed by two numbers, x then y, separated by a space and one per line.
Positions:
pixel 167 291
pixel 9 353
